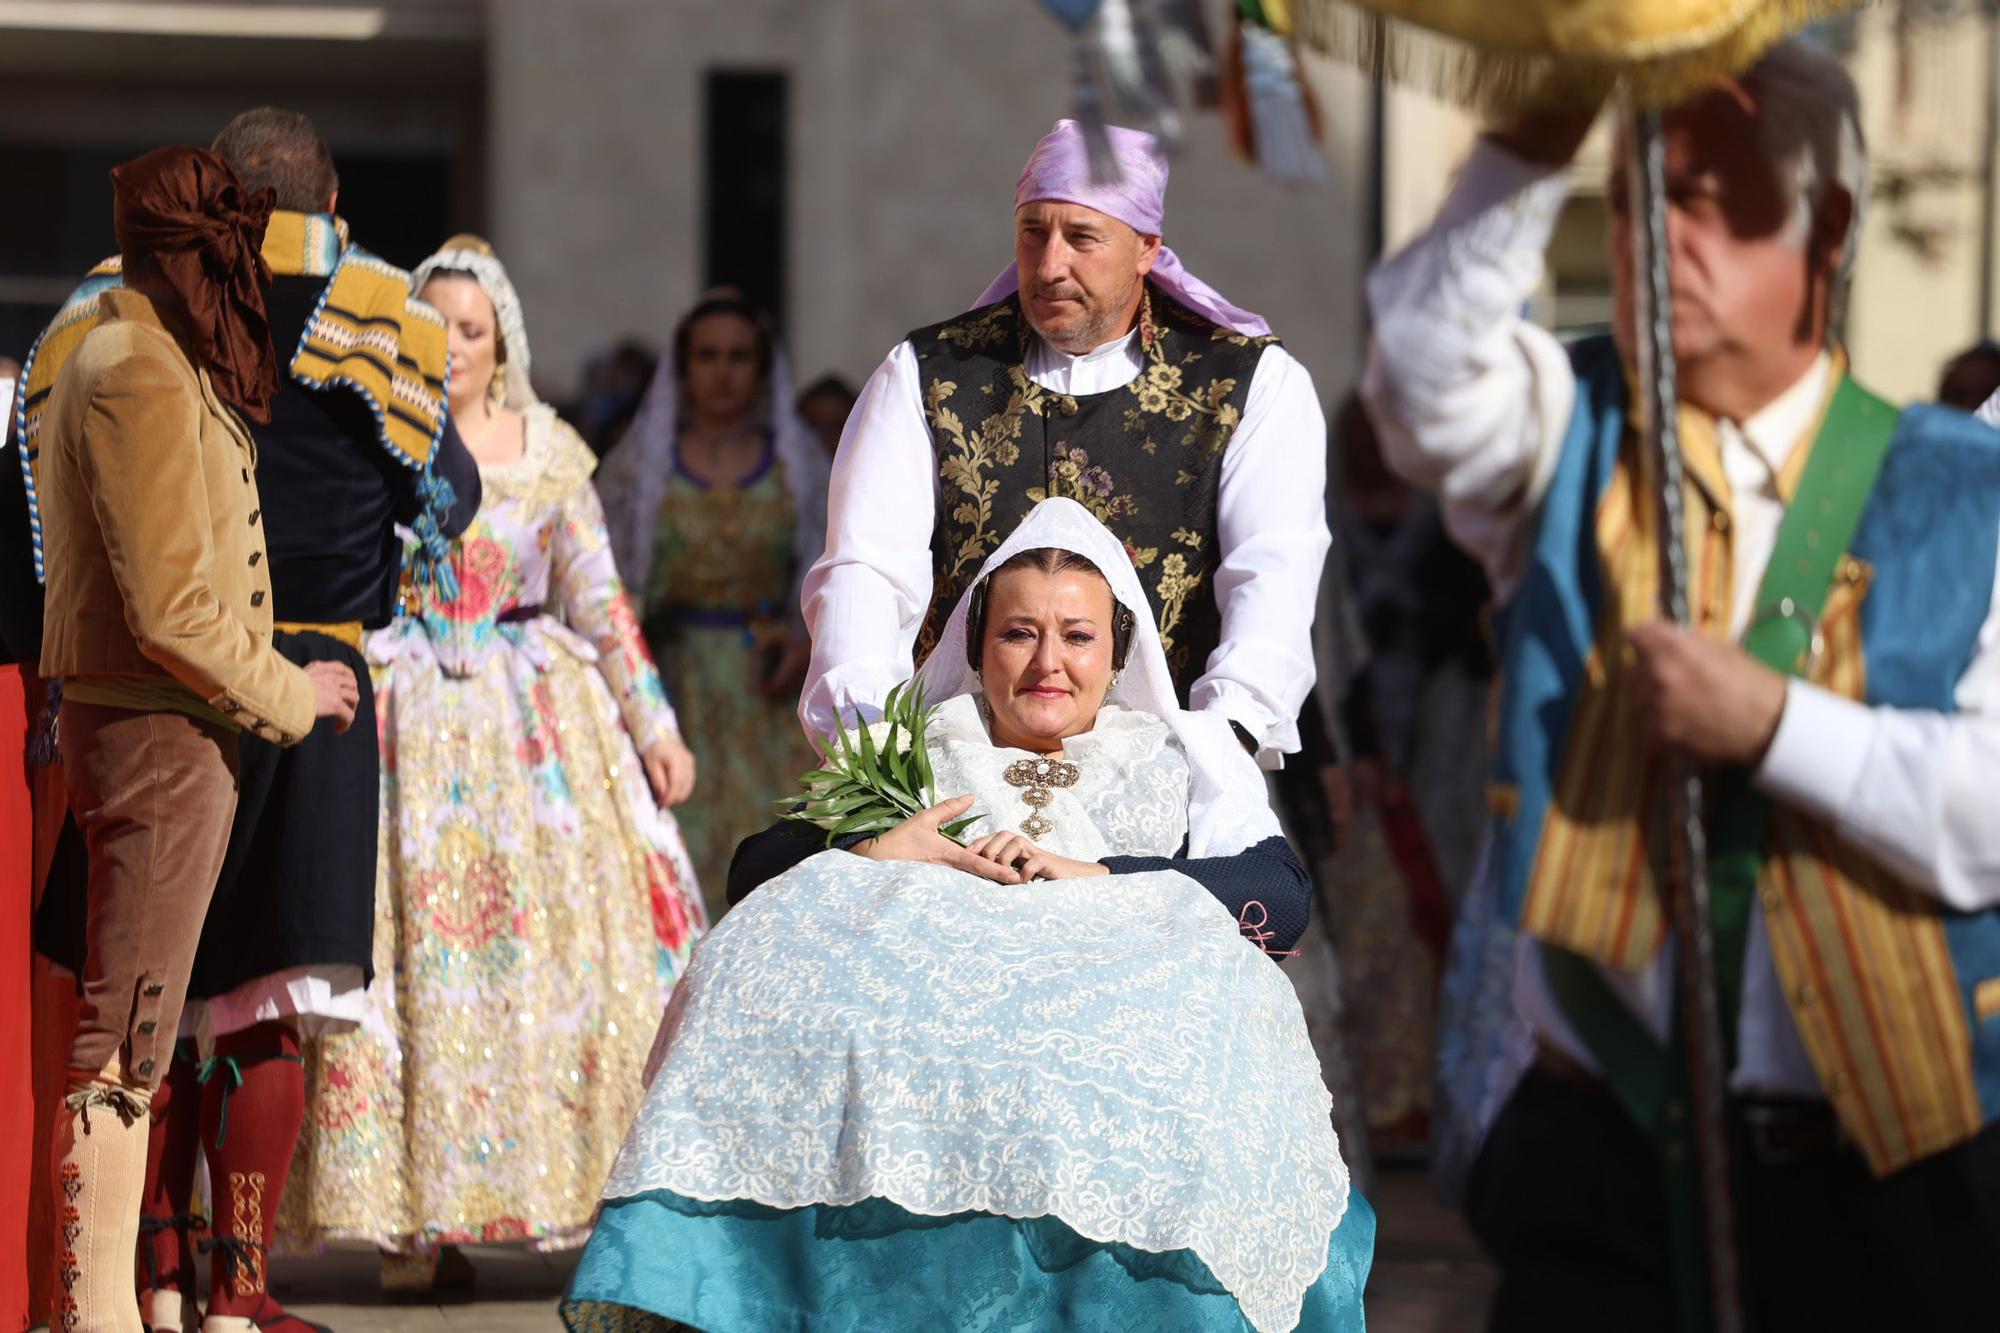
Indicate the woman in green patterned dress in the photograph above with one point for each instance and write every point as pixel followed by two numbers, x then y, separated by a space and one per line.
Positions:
pixel 717 505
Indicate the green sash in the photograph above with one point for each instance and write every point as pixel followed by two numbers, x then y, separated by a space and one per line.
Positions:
pixel 1649 1081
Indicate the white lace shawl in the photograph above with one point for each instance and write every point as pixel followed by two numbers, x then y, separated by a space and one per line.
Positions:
pixel 1130 798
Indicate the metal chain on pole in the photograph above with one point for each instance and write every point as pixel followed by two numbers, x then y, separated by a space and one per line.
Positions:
pixel 1687 836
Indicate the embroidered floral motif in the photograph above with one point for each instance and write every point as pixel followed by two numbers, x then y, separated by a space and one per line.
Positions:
pixel 964 463
pixel 469 899
pixel 485 580
pixel 342 1101
pixel 1177 583
pixel 670 916
pixel 984 330
pixel 1073 475
pixel 1159 390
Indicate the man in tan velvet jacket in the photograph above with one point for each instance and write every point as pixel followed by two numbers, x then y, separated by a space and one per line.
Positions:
pixel 157 586
pixel 158 624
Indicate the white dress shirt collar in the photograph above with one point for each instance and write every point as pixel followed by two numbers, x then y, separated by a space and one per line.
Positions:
pixel 1776 430
pixel 1103 368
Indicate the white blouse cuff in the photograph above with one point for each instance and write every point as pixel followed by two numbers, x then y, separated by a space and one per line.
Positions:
pixel 1816 759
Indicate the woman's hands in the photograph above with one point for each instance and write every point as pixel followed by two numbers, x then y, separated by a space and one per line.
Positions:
pixel 1008 848
pixel 917 839
pixel 669 768
pixel 1005 857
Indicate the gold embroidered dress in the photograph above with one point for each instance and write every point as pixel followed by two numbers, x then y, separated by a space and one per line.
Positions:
pixel 534 904
pixel 718 616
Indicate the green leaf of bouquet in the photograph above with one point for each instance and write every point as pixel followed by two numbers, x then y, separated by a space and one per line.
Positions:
pixel 846 760
pixel 868 821
pixel 846 805
pixel 896 747
pixel 905 803
pixel 867 744
pixel 925 781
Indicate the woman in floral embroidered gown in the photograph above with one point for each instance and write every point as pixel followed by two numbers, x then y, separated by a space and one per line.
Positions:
pixel 535 901
pixel 717 506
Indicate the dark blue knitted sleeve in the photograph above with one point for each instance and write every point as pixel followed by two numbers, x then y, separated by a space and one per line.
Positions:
pixel 1269 874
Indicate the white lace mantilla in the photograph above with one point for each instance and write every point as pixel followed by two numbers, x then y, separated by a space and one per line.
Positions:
pixel 1130 798
pixel 1108 1051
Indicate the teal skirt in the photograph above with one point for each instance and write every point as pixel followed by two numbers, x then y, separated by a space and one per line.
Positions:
pixel 661 1259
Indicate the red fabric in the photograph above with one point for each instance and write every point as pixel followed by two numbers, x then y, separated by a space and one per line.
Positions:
pixel 1403 829
pixel 249 1157
pixel 172 1147
pixel 17 909
pixel 55 1004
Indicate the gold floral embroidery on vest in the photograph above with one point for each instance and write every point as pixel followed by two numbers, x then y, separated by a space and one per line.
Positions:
pixel 1160 392
pixel 1177 583
pixel 963 464
pixel 1073 476
pixel 990 329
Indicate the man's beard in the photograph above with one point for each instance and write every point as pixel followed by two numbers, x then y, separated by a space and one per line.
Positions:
pixel 1096 328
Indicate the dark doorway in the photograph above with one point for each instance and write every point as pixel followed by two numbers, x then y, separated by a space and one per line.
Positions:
pixel 746 175
pixel 399 206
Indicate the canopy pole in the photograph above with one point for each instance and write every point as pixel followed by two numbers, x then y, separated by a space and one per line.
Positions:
pixel 1989 194
pixel 1687 837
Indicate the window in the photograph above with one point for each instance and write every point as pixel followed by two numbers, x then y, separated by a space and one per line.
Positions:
pixel 745 175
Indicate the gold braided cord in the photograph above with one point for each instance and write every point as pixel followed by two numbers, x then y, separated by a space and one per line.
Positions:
pixel 1510 56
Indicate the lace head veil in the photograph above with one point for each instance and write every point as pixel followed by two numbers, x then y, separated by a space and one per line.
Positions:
pixel 634 480
pixel 470 254
pixel 1228 808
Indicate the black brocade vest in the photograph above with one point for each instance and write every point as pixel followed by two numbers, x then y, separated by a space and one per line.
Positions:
pixel 1146 459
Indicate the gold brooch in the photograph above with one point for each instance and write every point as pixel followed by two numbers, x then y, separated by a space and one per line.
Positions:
pixel 1035 777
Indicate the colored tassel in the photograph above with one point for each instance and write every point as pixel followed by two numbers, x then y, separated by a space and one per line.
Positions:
pixel 1287 144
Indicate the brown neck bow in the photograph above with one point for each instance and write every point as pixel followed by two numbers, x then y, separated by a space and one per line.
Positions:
pixel 191 238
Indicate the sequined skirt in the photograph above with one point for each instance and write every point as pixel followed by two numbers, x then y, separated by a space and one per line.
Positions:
pixel 533 908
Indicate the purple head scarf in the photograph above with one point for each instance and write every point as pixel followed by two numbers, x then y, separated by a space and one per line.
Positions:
pixel 1059 169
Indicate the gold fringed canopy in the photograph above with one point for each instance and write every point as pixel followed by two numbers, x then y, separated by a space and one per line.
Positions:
pixel 1517 55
